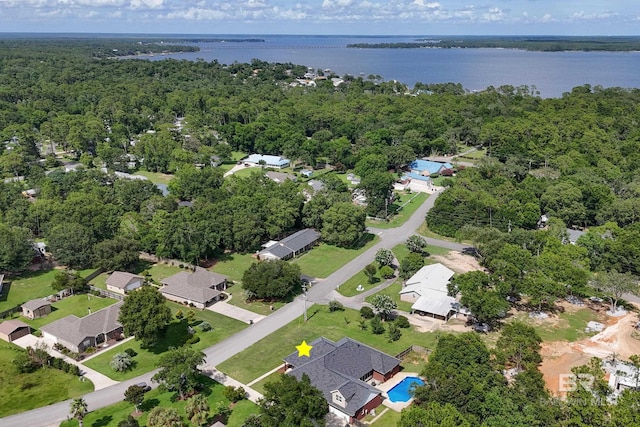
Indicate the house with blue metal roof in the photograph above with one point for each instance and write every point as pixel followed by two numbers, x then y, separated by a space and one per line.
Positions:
pixel 427 167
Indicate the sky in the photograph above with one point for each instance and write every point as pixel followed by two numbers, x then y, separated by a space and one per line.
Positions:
pixel 349 17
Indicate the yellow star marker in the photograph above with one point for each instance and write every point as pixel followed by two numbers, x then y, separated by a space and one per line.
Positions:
pixel 304 349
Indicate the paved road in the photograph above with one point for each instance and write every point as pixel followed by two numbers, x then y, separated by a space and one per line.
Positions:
pixel 53 414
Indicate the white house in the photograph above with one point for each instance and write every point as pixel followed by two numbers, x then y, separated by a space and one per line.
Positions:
pixel 122 282
pixel 276 162
pixel 427 289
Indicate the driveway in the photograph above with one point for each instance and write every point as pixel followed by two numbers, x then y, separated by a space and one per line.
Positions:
pixel 238 313
pixel 231 346
pixel 99 380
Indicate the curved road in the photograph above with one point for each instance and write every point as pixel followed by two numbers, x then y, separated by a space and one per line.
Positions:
pixel 52 415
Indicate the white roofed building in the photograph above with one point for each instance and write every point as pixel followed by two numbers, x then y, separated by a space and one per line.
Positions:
pixel 427 289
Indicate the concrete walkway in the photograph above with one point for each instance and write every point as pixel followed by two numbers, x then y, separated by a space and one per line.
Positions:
pixel 238 313
pixel 226 380
pixel 263 376
pixel 237 168
pixel 99 380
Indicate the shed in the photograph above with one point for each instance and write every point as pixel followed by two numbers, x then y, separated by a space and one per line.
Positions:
pixel 11 330
pixel 36 308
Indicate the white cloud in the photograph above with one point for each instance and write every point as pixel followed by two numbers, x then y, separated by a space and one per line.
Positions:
pixel 146 4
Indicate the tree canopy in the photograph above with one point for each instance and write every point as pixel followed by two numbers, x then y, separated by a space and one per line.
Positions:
pixel 145 315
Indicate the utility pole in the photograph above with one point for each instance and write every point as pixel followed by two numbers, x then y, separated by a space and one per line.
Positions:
pixel 304 291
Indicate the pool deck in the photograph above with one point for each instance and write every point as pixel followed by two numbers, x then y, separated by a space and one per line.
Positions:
pixel 386 386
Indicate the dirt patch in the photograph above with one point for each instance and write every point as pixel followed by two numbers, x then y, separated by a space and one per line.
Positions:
pixel 458 262
pixel 615 340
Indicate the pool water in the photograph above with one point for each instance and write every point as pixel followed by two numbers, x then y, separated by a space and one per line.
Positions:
pixel 400 392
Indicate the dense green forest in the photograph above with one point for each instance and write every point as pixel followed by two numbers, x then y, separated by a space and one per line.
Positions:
pixel 530 43
pixel 574 159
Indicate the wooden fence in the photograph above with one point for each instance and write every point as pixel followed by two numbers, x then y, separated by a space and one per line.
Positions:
pixel 8 313
pixel 416 348
pixel 105 293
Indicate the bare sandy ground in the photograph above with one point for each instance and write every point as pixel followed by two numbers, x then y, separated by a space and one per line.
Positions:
pixel 614 341
pixel 458 262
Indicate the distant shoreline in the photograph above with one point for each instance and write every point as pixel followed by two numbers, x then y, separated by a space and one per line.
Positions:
pixel 540 44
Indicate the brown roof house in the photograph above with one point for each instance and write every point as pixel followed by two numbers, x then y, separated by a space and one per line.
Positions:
pixel 122 282
pixel 340 370
pixel 36 308
pixel 11 330
pixel 77 334
pixel 200 288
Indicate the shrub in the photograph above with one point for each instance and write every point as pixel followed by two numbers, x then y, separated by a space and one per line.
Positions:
pixel 402 322
pixel 131 352
pixel 121 362
pixel 386 272
pixel 335 306
pixel 234 394
pixel 181 266
pixel 376 325
pixel 367 312
pixel 179 314
pixel 90 350
pixel 205 326
pixel 394 333
pixel 193 339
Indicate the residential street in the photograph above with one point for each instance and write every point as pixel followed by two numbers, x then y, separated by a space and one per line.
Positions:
pixel 52 415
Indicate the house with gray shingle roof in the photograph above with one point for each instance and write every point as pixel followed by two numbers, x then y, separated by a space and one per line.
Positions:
pixel 341 371
pixel 200 288
pixel 122 282
pixel 77 334
pixel 291 246
pixel 280 177
pixel 36 308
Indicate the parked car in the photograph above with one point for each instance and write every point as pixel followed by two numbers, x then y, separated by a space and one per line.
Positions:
pixel 481 327
pixel 144 386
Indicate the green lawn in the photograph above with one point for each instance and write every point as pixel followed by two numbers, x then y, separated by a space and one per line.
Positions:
pixel 390 418
pixel 156 177
pixel 568 326
pixel 248 171
pixel 147 359
pixel 26 287
pixel 400 217
pixel 238 155
pixel 100 281
pixel 325 259
pixel 77 304
pixel 22 392
pixel 394 292
pixel 349 288
pixel 271 350
pixel 240 300
pixel 162 271
pixel 113 414
pixel 233 265
pixel 259 386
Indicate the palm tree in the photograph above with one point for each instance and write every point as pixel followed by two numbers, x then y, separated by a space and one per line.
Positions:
pixel 197 409
pixel 79 409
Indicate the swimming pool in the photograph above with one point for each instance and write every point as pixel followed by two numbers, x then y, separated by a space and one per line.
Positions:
pixel 400 391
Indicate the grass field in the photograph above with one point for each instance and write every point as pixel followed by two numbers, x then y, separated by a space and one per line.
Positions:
pixel 111 415
pixel 233 265
pixel 400 217
pixel 349 288
pixel 568 327
pixel 325 259
pixel 100 281
pixel 271 350
pixel 156 177
pixel 259 386
pixel 394 292
pixel 162 271
pixel 26 287
pixel 176 336
pixel 390 418
pixel 77 305
pixel 239 299
pixel 22 392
